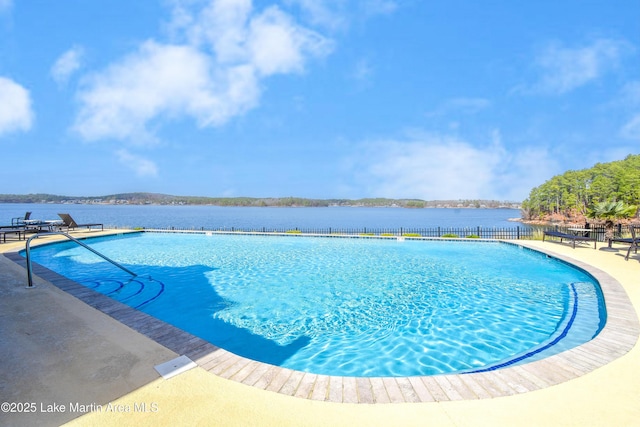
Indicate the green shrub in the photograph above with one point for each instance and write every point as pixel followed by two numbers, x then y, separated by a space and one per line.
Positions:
pixel 367 234
pixel 473 236
pixel 412 235
pixel 450 235
pixel 388 235
pixel 293 232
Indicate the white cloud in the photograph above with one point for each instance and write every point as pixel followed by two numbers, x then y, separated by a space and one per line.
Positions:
pixel 212 78
pixel 564 69
pixel 521 171
pixel 378 7
pixel 363 71
pixel 629 100
pixel 15 109
pixel 277 45
pixel 631 93
pixel 631 130
pixel 325 13
pixel 141 166
pixel 161 80
pixel 337 15
pixel 67 64
pixel 461 106
pixel 270 41
pixel 437 167
pixel 468 105
pixel 5 5
pixel 221 27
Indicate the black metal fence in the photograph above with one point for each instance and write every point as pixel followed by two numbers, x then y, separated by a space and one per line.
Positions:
pixel 453 232
pixel 506 233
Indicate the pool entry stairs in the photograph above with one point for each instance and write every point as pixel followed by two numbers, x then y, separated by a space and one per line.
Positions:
pixel 135 292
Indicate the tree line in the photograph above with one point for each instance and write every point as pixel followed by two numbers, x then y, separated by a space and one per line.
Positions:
pixel 165 199
pixel 576 193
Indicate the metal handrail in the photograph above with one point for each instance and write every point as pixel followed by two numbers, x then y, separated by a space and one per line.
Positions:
pixel 62 233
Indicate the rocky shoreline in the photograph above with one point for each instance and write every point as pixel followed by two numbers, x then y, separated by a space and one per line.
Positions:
pixel 563 221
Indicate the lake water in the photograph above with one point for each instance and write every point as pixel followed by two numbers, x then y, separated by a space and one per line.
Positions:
pixel 216 217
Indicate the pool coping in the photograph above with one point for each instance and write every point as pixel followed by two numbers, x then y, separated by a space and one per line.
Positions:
pixel 617 337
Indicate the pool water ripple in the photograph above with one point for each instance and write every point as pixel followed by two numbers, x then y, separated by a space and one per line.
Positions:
pixel 352 307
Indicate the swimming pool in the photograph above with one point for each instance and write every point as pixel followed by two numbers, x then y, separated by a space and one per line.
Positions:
pixel 353 307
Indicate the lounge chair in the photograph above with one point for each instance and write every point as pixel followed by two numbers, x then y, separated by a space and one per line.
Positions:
pixel 19 221
pixel 623 240
pixel 31 225
pixel 635 241
pixel 11 229
pixel 572 237
pixel 17 227
pixel 70 223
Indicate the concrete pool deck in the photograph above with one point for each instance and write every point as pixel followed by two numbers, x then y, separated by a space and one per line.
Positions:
pixel 60 351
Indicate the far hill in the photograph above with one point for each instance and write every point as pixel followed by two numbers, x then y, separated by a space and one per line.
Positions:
pixel 165 199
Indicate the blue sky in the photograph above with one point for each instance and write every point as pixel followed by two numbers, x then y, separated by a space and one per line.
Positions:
pixel 314 98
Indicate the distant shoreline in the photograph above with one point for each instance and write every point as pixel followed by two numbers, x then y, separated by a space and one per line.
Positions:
pixel 267 207
pixel 163 199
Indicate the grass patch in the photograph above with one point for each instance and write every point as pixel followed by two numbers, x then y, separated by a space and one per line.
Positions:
pixel 538 234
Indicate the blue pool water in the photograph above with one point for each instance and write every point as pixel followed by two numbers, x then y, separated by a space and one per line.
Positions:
pixel 344 306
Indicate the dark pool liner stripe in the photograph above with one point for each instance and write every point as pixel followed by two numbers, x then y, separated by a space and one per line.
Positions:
pixel 564 333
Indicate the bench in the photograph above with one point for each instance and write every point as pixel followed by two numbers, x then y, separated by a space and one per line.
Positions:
pixel 571 237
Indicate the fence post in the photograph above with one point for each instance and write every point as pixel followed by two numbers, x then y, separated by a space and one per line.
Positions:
pixel 518 232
